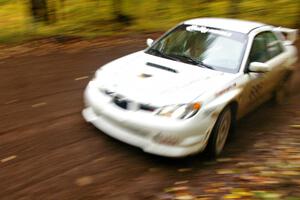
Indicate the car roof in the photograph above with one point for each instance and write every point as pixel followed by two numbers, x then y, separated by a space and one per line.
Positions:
pixel 236 25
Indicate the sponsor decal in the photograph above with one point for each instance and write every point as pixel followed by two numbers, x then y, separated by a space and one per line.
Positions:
pixel 225 90
pixel 203 29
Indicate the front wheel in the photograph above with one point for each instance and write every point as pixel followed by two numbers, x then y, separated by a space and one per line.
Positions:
pixel 220 133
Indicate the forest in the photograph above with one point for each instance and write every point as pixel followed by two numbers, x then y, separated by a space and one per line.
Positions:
pixel 29 19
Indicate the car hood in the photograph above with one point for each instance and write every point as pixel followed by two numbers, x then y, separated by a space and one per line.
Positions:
pixel 153 80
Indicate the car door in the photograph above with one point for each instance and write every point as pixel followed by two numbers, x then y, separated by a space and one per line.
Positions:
pixel 278 59
pixel 266 48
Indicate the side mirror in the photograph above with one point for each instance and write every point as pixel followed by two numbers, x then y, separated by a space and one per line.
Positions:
pixel 259 67
pixel 149 42
pixel 287 43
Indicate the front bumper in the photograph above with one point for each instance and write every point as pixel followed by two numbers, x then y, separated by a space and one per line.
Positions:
pixel 140 128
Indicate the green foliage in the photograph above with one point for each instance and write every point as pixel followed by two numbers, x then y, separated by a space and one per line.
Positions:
pixel 91 18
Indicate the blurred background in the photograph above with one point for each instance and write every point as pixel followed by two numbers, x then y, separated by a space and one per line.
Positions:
pixel 29 19
pixel 47 150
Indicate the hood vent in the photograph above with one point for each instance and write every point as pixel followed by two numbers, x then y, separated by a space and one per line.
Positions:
pixel 161 67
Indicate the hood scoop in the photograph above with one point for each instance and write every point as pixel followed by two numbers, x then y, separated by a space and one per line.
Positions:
pixel 161 67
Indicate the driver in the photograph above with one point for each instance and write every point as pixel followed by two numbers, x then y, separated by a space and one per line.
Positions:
pixel 195 46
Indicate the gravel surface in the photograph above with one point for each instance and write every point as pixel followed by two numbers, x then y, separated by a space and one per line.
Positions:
pixel 47 150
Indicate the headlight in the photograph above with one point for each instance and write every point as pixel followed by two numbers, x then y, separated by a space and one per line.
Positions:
pixel 183 111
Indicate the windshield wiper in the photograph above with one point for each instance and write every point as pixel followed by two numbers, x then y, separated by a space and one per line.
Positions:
pixel 201 64
pixel 184 58
pixel 187 59
pixel 160 53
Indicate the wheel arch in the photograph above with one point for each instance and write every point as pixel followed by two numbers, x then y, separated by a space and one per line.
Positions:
pixel 234 107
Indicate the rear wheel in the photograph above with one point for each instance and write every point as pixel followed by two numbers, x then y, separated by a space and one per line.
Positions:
pixel 220 133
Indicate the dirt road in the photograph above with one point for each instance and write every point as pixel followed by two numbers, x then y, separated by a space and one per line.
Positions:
pixel 48 151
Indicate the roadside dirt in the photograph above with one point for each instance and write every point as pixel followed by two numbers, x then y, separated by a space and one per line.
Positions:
pixel 47 151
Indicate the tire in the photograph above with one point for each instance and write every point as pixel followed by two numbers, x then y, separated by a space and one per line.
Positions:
pixel 220 133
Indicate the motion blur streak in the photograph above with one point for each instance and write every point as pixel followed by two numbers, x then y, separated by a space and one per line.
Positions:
pixel 49 152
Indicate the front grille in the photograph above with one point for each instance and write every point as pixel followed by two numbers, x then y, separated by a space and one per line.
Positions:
pixel 122 103
pixel 147 107
pixel 127 104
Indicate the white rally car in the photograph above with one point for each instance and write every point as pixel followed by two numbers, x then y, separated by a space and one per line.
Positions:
pixel 184 92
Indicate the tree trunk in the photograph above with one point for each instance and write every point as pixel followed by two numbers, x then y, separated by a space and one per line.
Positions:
pixel 234 8
pixel 119 16
pixel 39 10
pixel 117 7
pixel 62 4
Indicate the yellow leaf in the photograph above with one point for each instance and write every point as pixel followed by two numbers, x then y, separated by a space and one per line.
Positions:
pixel 290 173
pixel 268 173
pixel 225 171
pixel 184 197
pixel 83 181
pixel 295 126
pixel 175 189
pixel 232 196
pixel 244 194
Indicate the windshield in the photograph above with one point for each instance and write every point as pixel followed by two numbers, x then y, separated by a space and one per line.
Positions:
pixel 216 49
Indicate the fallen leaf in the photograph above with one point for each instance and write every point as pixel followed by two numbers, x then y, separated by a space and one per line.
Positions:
pixel 224 159
pixel 39 105
pixel 217 184
pixel 261 144
pixel 244 193
pixel 83 181
pixel 175 189
pixel 98 159
pixel 226 171
pixel 242 164
pixel 267 195
pixel 273 181
pixel 12 101
pixel 81 78
pixel 184 170
pixel 232 196
pixel 8 158
pixel 294 157
pixel 295 126
pixel 258 168
pixel 184 197
pixel 268 173
pixel 181 182
pixel 212 191
pixel 290 173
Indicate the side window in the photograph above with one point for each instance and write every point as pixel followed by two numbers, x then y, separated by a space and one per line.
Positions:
pixel 265 47
pixel 259 52
pixel 273 45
